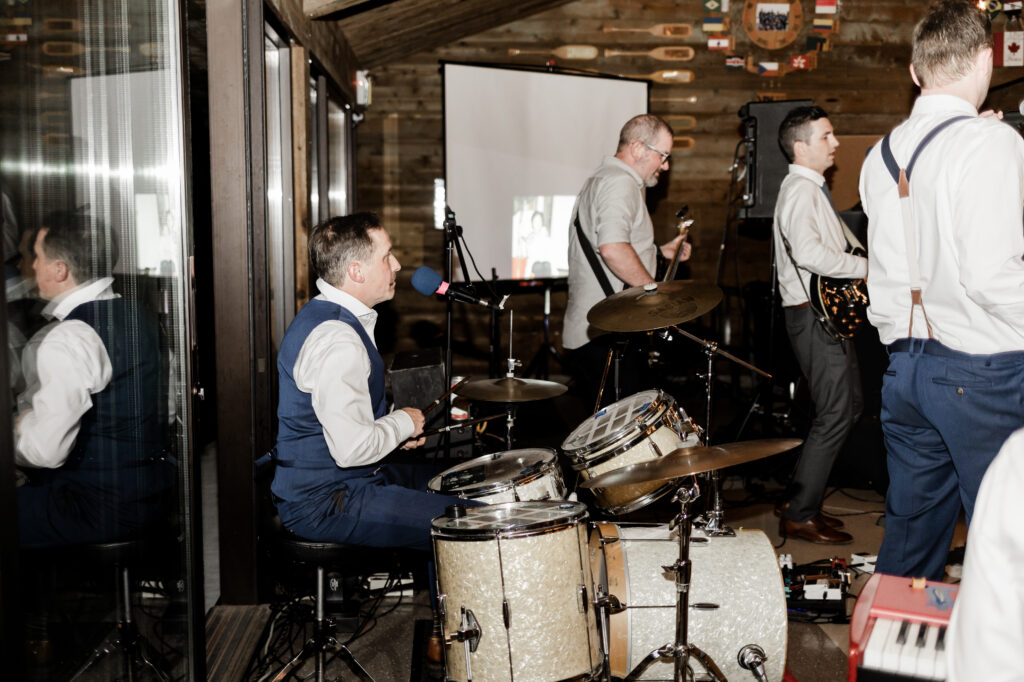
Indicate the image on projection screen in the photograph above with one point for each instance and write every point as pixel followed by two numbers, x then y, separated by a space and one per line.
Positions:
pixel 519 144
pixel 540 247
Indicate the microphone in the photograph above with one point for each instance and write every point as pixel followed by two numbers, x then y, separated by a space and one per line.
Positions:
pixel 426 281
pixel 1015 118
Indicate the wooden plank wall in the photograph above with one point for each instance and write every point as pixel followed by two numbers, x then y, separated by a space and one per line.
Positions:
pixel 863 82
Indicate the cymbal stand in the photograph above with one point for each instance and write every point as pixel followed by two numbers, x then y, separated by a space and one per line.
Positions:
pixel 510 373
pixel 714 524
pixel 679 650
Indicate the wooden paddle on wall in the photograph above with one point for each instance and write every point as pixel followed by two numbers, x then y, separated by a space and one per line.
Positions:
pixel 665 54
pixel 563 51
pixel 669 76
pixel 662 30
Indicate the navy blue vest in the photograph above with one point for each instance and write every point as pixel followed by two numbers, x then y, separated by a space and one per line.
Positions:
pixel 122 429
pixel 301 445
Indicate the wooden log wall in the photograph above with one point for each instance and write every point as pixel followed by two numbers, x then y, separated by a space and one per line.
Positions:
pixel 862 81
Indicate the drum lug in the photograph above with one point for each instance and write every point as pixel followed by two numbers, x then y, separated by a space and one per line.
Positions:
pixel 469 632
pixel 584 603
pixel 607 540
pixel 705 606
pixel 441 610
pixel 611 603
pixel 505 613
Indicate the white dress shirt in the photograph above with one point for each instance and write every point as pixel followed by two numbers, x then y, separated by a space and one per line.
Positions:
pixel 333 367
pixel 64 364
pixel 817 236
pixel 986 629
pixel 967 191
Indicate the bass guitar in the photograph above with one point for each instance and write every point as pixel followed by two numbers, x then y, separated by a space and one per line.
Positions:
pixel 844 302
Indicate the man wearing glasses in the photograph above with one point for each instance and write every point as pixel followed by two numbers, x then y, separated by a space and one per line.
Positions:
pixel 611 248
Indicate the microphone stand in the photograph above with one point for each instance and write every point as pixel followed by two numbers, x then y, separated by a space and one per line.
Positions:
pixel 452 234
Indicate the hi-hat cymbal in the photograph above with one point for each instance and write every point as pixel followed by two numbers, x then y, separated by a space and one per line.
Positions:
pixel 654 306
pixel 695 460
pixel 511 390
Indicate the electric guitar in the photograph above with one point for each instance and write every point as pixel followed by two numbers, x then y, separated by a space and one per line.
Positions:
pixel 843 301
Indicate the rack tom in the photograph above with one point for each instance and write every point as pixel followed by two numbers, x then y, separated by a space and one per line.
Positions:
pixel 638 428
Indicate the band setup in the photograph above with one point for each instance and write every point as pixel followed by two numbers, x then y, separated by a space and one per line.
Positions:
pixel 529 587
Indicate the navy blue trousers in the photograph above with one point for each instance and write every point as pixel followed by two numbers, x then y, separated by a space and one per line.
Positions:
pixel 945 414
pixel 390 508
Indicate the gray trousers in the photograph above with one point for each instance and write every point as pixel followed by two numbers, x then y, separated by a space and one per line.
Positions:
pixel 833 378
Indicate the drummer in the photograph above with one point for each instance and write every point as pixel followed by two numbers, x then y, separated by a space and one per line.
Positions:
pixel 611 247
pixel 332 481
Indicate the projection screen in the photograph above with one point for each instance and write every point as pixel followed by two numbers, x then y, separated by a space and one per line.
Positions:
pixel 519 144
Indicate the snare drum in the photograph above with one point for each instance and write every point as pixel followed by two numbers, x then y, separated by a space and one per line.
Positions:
pixel 739 574
pixel 510 476
pixel 519 573
pixel 635 429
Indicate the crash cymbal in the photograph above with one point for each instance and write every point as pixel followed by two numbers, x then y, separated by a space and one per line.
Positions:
pixel 654 306
pixel 511 390
pixel 695 460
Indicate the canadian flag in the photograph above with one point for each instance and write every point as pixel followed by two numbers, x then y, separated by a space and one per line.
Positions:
pixel 1013 48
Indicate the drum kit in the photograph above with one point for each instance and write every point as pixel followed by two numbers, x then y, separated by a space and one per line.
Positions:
pixel 529 588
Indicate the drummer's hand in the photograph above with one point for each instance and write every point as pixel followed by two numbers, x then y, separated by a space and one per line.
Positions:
pixel 417 422
pixel 668 250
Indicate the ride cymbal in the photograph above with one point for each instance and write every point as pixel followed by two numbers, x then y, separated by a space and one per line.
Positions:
pixel 511 390
pixel 695 460
pixel 654 306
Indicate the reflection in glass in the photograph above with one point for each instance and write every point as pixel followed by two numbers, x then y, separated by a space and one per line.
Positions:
pixel 92 159
pixel 338 145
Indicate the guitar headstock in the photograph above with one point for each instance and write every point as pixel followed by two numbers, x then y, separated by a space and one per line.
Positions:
pixel 684 223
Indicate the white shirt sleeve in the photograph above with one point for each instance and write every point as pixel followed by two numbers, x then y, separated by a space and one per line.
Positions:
pixel 333 367
pixel 72 364
pixel 805 218
pixel 986 629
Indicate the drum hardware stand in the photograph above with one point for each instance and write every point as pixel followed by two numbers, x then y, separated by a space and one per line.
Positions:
pixel 538 366
pixel 680 650
pixel 469 634
pixel 613 362
pixel 714 524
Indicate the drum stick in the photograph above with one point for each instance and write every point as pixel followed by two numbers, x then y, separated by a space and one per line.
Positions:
pixel 718 350
pixel 461 425
pixel 444 395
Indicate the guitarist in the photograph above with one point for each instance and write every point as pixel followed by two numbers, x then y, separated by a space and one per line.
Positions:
pixel 810 237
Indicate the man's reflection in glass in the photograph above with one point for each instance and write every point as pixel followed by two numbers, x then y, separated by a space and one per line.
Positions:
pixel 88 433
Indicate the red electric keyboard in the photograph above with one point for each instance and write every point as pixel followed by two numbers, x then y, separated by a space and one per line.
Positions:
pixel 898 630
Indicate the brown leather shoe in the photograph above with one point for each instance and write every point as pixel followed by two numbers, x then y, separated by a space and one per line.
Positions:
pixel 830 521
pixel 814 530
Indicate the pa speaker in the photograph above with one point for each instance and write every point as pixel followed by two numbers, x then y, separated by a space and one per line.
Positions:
pixel 766 164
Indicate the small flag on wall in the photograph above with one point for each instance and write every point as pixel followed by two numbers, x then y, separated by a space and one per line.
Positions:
pixel 803 62
pixel 713 24
pixel 825 6
pixel 768 69
pixel 716 5
pixel 1013 48
pixel 734 62
pixel 818 44
pixel 823 24
pixel 720 43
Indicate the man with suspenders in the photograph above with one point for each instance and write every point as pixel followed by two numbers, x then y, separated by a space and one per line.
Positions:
pixel 944 195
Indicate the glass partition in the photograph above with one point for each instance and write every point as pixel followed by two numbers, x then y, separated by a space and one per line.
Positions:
pixel 96 243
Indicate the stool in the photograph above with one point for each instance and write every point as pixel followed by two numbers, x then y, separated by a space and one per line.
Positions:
pixel 320 555
pixel 127 640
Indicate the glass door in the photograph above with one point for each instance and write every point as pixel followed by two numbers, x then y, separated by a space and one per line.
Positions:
pixel 98 318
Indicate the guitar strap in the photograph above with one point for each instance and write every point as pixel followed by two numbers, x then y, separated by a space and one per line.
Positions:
pixel 902 178
pixel 823 319
pixel 592 258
